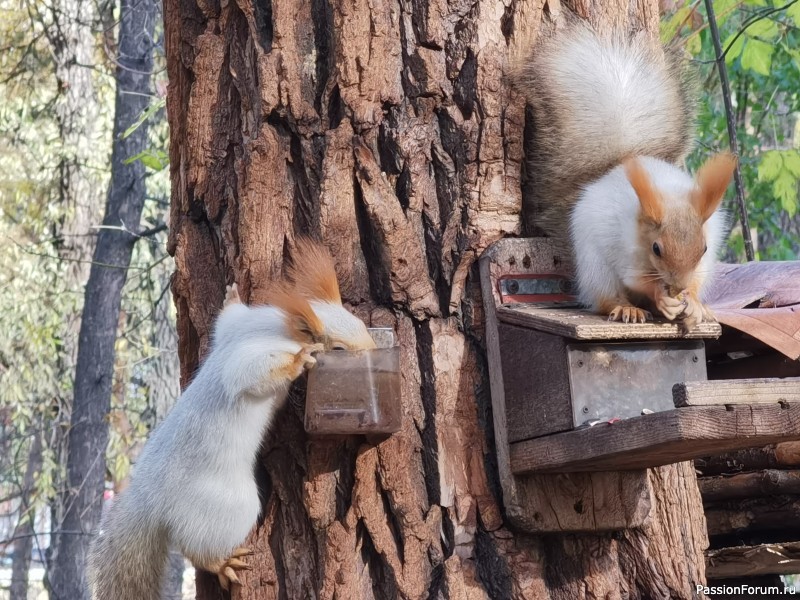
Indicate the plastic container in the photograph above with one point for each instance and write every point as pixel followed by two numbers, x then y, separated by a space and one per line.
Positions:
pixel 355 392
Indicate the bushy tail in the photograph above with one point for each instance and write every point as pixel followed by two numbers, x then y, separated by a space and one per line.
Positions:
pixel 597 98
pixel 128 557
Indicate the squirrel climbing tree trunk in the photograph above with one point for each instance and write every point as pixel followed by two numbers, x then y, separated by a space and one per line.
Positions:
pixel 387 130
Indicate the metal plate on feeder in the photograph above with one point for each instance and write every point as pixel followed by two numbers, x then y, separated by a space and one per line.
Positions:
pixel 620 380
pixel 536 289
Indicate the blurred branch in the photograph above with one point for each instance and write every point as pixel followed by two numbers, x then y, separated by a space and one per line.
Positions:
pixel 153 230
pixel 730 116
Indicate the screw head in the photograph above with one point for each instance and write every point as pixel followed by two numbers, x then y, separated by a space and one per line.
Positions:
pixel 695 358
pixel 513 286
pixel 585 409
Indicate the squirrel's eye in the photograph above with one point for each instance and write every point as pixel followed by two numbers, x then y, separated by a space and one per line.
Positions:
pixel 338 347
pixel 657 249
pixel 705 248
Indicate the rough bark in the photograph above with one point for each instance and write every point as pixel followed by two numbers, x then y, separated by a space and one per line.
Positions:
pixel 88 434
pixel 387 130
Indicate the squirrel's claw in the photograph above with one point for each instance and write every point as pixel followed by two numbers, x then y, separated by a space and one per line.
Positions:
pixel 629 314
pixel 228 576
pixel 239 564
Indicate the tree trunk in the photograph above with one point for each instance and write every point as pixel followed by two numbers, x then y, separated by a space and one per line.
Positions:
pixel 88 435
pixel 68 27
pixel 387 130
pixel 72 39
pixel 25 531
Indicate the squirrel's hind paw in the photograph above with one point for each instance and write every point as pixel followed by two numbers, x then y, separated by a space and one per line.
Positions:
pixel 629 314
pixel 696 312
pixel 225 570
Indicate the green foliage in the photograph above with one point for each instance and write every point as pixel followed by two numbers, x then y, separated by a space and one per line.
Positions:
pixel 782 170
pixel 153 109
pixel 757 56
pixel 760 41
pixel 154 159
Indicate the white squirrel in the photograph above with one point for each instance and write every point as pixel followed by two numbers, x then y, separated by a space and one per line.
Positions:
pixel 613 119
pixel 193 485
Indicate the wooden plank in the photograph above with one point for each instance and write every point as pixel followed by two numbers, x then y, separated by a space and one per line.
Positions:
pixel 764 559
pixel 581 502
pixel 581 324
pixel 769 482
pixel 658 439
pixel 550 503
pixel 736 391
pixel 535 383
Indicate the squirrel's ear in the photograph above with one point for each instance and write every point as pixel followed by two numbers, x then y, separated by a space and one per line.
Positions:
pixel 312 272
pixel 712 180
pixel 302 322
pixel 652 209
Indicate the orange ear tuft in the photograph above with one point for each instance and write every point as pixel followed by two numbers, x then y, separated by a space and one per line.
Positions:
pixel 712 181
pixel 303 323
pixel 652 209
pixel 312 272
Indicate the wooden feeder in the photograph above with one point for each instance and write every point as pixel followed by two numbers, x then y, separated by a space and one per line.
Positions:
pixel 583 406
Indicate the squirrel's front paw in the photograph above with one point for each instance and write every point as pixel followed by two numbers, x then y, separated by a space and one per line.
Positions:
pixel 629 314
pixel 307 353
pixel 670 307
pixel 303 360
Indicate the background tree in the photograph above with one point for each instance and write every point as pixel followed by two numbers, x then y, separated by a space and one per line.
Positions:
pixel 94 375
pixel 387 130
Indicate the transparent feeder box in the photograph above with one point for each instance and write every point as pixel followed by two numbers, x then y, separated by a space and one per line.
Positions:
pixel 356 392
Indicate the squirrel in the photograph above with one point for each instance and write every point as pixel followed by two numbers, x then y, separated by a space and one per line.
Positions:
pixel 193 485
pixel 613 115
